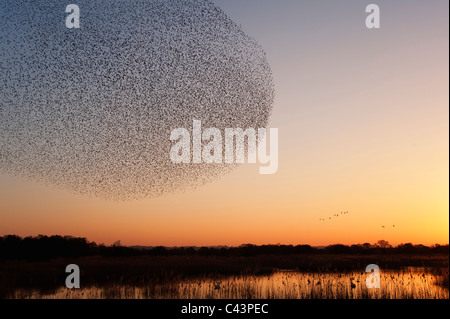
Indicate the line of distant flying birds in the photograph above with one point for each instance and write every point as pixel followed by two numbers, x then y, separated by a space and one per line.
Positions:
pixel 334 215
pixel 343 213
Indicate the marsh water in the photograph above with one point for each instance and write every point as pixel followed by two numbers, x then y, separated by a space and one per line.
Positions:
pixel 282 284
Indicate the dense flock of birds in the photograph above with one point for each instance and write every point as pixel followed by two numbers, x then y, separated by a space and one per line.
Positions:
pixel 91 109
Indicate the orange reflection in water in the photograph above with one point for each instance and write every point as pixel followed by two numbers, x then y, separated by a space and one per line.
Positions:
pixel 400 284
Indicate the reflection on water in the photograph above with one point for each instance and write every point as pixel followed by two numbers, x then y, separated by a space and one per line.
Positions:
pixel 410 283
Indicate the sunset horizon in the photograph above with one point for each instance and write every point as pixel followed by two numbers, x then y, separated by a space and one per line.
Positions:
pixel 140 244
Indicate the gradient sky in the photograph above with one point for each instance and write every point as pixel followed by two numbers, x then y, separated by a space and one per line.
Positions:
pixel 363 119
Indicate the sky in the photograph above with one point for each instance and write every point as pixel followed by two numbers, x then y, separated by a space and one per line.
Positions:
pixel 363 120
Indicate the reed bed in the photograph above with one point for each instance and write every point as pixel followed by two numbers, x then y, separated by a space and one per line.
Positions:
pixel 410 283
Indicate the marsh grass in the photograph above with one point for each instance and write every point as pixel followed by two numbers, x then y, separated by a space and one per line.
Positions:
pixel 399 284
pixel 238 277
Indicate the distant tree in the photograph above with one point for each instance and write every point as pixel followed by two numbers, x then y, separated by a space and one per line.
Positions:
pixel 337 249
pixel 247 245
pixel 406 248
pixel 383 244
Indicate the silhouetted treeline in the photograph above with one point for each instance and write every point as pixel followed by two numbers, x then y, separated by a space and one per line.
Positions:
pixel 42 247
